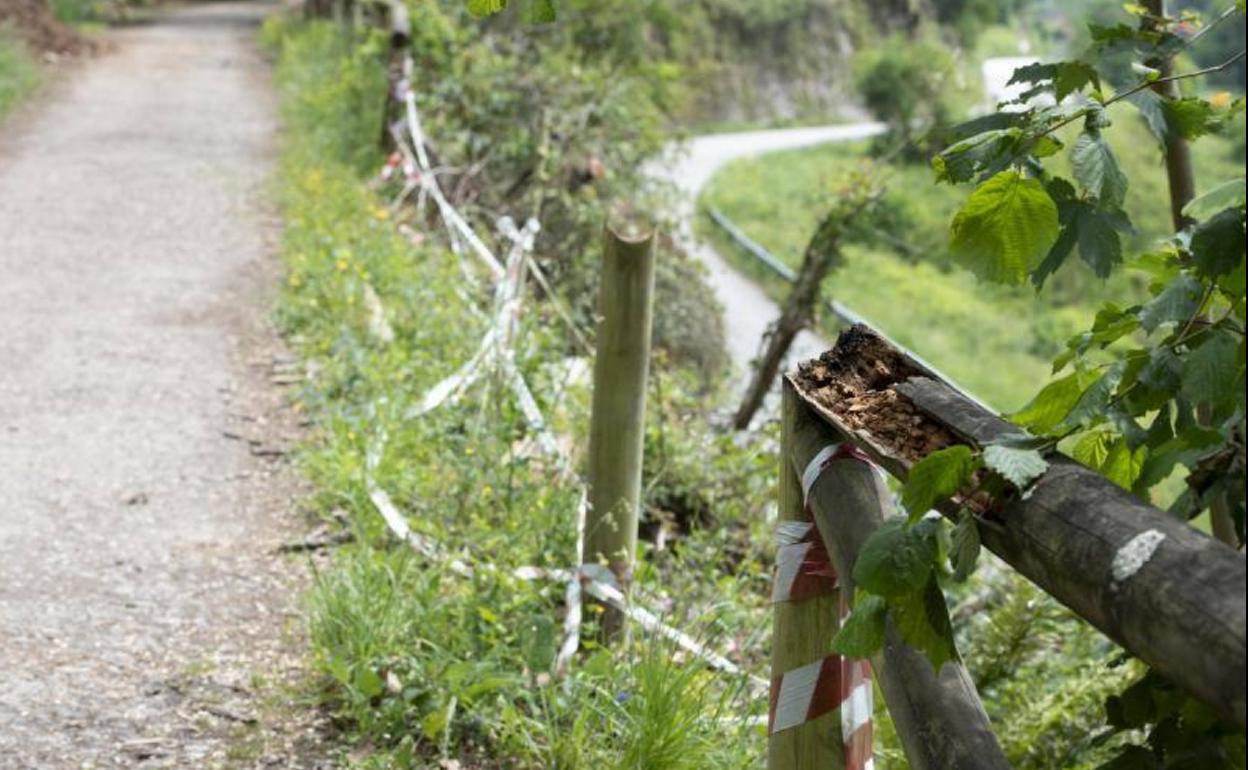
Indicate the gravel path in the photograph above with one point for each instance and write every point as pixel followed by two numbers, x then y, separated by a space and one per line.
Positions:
pixel 747 308
pixel 141 434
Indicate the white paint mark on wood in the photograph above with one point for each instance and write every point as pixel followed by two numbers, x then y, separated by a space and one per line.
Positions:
pixel 1135 554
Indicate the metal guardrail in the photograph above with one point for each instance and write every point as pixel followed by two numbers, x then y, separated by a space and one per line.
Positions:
pixel 838 309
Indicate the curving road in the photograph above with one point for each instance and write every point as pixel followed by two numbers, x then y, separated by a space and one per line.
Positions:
pixel 747 308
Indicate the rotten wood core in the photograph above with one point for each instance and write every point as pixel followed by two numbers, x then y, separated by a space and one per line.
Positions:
pixel 857 381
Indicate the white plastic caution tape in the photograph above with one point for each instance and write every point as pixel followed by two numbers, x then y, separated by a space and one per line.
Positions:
pixel 810 691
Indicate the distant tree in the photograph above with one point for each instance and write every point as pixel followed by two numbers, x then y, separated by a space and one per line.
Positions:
pixel 907 84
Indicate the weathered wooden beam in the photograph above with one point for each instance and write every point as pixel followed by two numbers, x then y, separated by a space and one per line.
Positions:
pixel 1168 593
pixel 617 428
pixel 802 633
pixel 938 716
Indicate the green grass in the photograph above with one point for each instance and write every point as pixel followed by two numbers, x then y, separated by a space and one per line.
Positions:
pixel 18 74
pixel 420 664
pixel 996 341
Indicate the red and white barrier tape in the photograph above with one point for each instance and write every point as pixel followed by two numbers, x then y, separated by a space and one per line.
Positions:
pixel 804 571
pixel 589 579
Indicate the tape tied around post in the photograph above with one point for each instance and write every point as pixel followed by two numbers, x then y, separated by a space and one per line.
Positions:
pixel 804 570
pixel 803 567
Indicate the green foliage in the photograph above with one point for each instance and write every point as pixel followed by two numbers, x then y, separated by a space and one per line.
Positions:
pixel 895 573
pixel 1005 228
pixel 1019 465
pixel 1228 195
pixel 965 546
pixel 18 76
pixel 1182 732
pixel 1043 673
pixel 1096 169
pixel 1144 377
pixel 908 84
pixel 936 478
pixel 862 635
pixel 896 561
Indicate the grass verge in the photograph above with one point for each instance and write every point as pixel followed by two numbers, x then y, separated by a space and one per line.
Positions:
pixel 18 74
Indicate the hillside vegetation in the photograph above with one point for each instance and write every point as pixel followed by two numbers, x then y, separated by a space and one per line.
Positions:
pixel 903 279
pixel 422 665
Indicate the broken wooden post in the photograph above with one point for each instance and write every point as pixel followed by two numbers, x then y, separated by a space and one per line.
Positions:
pixel 617 428
pixel 1169 594
pixel 821 256
pixel 938 716
pixel 802 633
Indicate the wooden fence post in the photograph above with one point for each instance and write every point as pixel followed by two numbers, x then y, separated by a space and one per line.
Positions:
pixel 938 715
pixel 1168 593
pixel 802 633
pixel 617 430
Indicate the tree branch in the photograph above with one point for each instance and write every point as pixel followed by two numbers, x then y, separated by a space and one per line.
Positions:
pixel 1172 78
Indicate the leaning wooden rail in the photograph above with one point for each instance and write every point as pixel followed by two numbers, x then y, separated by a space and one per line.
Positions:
pixel 938 715
pixel 1166 592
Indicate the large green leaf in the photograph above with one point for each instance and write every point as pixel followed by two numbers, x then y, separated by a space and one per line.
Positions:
pixel 1019 466
pixel 1183 449
pixel 966 546
pixel 1064 196
pixel 1049 407
pixel 862 635
pixel 1150 106
pixel 937 477
pixel 1192 118
pixel 1218 243
pixel 1177 302
pixel 897 559
pixel 1097 170
pixel 1005 228
pixel 961 161
pixel 1072 76
pixel 1092 448
pixel 1093 402
pixel 922 619
pixel 1122 465
pixel 1100 245
pixel 1227 195
pixel 1211 373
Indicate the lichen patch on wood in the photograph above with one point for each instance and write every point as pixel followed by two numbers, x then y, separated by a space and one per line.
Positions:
pixel 856 381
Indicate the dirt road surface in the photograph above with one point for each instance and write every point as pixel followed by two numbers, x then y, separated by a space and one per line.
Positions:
pixel 143 617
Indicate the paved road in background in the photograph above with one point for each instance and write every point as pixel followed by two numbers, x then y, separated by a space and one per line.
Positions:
pixel 747 308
